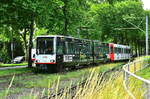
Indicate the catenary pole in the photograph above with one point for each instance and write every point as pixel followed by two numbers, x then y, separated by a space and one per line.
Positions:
pixel 147 36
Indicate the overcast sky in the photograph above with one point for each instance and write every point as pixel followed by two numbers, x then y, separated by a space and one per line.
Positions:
pixel 146 4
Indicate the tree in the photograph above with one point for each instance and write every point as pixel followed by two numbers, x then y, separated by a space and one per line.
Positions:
pixel 25 14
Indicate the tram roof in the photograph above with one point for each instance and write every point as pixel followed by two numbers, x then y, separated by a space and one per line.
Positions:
pixel 117 45
pixel 62 36
pixel 120 46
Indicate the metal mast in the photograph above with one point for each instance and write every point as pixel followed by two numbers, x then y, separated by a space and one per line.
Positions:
pixel 147 35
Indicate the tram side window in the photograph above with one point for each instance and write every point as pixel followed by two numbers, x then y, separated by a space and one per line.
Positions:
pixel 96 49
pixel 125 50
pixel 116 50
pixel 101 48
pixel 89 49
pixel 111 49
pixel 60 47
pixel 86 50
pixel 77 48
pixel 119 50
pixel 49 47
pixel 82 49
pixel 105 49
pixel 45 45
pixel 71 48
pixel 128 51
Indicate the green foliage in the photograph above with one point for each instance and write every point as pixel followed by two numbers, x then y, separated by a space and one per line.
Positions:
pixel 4 56
pixel 103 20
pixel 122 21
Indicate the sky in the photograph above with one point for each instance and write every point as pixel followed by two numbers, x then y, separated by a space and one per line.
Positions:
pixel 146 4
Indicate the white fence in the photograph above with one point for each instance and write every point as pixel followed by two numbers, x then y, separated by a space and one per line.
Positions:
pixel 130 76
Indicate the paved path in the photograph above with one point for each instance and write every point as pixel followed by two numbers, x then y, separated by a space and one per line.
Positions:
pixel 13 67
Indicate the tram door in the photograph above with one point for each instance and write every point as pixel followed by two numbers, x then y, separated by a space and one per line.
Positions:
pixel 59 54
pixel 111 52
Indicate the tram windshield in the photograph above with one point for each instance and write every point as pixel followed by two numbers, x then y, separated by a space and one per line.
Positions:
pixel 45 45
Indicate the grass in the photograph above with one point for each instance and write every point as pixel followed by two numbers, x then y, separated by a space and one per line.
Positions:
pixel 9 65
pixel 110 88
pixel 41 81
pixel 14 71
pixel 140 86
pixel 94 89
pixel 145 73
pixel 136 86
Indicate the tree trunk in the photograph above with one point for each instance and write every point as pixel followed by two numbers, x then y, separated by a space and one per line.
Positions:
pixel 25 42
pixel 65 18
pixel 30 41
pixel 135 48
pixel 141 48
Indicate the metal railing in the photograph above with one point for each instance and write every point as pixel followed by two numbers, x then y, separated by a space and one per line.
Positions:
pixel 135 85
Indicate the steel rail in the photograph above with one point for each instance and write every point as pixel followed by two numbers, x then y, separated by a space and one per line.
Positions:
pixel 72 88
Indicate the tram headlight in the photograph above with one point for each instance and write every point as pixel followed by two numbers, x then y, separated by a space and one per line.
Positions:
pixel 52 60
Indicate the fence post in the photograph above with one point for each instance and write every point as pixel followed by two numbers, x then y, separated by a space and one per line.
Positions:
pixel 134 67
pixel 147 94
pixel 126 79
pixel 128 67
pixel 124 75
pixel 140 65
pixel 146 62
pixel 143 66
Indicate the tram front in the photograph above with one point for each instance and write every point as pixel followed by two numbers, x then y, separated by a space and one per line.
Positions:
pixel 45 52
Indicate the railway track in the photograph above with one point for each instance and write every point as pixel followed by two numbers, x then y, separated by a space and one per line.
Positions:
pixel 35 71
pixel 10 74
pixel 61 91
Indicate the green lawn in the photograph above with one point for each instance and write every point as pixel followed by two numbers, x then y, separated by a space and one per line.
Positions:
pixel 14 71
pixel 145 73
pixel 7 65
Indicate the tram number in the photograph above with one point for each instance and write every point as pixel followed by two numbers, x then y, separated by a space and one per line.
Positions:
pixel 68 58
